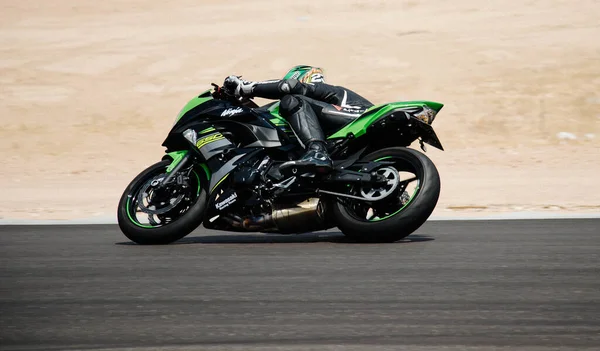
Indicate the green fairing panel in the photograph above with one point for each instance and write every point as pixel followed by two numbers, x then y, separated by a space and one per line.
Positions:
pixel 202 98
pixel 359 126
pixel 277 119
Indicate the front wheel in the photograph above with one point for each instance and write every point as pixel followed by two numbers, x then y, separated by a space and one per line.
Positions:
pixel 397 210
pixel 150 214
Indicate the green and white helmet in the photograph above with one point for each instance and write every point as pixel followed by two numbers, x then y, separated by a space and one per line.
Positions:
pixel 306 74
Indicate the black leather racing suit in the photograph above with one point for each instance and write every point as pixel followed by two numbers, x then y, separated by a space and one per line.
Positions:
pixel 313 109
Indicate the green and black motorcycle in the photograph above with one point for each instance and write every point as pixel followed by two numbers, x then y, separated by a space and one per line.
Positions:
pixel 221 168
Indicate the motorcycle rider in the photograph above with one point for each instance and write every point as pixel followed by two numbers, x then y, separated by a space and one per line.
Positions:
pixel 309 105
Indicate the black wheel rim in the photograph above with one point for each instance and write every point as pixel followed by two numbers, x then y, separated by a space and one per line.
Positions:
pixel 144 213
pixel 409 186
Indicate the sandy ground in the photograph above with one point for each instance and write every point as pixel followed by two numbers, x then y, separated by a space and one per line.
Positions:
pixel 89 89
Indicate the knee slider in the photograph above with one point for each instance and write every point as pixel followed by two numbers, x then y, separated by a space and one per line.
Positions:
pixel 289 104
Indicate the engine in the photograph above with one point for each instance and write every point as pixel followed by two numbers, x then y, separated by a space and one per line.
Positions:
pixel 258 202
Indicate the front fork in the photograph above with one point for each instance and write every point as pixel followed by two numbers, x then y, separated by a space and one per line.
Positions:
pixel 180 159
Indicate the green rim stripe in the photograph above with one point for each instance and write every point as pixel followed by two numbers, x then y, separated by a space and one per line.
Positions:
pixel 403 207
pixel 406 204
pixel 133 220
pixel 149 226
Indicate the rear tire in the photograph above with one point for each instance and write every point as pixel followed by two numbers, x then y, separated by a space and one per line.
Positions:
pixel 406 220
pixel 170 232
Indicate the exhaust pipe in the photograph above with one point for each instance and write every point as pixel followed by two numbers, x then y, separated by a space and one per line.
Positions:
pixel 299 218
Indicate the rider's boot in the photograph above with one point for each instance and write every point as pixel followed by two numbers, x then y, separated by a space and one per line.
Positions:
pixel 314 159
pixel 305 124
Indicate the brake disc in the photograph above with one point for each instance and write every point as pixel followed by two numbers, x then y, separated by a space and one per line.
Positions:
pixel 376 193
pixel 155 201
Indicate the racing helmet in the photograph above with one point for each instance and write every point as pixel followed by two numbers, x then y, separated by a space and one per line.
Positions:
pixel 306 74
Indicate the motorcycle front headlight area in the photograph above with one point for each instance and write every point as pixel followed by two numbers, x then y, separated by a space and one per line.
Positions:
pixel 191 135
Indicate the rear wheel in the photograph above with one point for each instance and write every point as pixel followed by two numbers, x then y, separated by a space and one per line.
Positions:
pixel 397 208
pixel 150 214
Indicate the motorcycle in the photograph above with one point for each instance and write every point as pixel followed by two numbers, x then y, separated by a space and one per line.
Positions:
pixel 221 169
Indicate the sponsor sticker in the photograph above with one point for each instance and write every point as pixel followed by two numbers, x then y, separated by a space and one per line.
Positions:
pixel 226 202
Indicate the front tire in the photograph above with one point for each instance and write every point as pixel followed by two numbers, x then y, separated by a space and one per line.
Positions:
pixel 410 214
pixel 188 216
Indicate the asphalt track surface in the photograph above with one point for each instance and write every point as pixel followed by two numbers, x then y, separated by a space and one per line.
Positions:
pixel 453 285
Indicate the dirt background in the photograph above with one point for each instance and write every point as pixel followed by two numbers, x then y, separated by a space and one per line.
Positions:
pixel 89 89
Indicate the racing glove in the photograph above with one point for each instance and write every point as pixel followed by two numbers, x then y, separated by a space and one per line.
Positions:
pixel 235 86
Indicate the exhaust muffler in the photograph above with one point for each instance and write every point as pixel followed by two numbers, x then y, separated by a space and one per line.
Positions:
pixel 301 217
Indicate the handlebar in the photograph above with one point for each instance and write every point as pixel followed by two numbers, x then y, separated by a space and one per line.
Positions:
pixel 220 94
